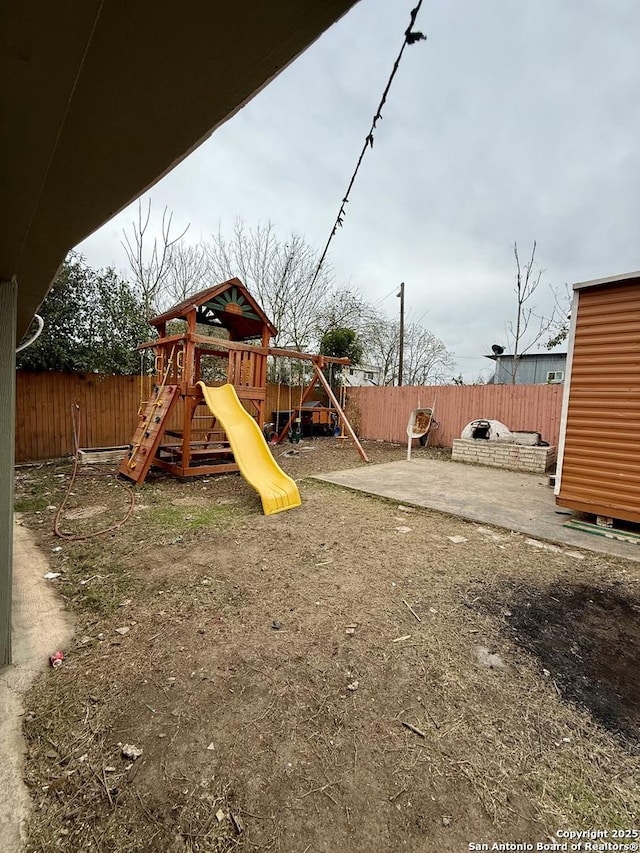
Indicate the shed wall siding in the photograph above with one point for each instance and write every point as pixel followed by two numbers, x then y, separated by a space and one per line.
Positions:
pixel 601 459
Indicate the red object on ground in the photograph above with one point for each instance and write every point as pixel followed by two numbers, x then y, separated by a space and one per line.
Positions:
pixel 57 659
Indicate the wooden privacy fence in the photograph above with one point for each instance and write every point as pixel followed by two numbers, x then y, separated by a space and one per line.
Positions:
pixel 109 405
pixel 107 413
pixel 383 413
pixel 106 417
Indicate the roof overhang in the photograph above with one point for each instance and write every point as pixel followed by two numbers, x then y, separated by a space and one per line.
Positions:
pixel 508 355
pixel 102 98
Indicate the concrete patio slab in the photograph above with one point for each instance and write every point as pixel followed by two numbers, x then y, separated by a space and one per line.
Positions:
pixel 40 626
pixel 518 501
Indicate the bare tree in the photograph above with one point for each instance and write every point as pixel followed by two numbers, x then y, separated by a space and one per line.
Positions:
pixel 478 379
pixel 528 328
pixel 560 327
pixel 347 309
pixel 188 271
pixel 427 361
pixel 280 274
pixel 150 259
pixel 381 340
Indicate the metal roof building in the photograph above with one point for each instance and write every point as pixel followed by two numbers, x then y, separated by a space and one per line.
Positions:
pixel 536 368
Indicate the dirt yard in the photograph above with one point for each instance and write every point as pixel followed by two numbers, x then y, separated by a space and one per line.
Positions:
pixel 352 675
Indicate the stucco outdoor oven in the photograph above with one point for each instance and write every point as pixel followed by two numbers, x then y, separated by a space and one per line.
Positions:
pixel 485 441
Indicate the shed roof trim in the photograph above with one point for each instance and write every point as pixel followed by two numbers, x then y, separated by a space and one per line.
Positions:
pixel 612 279
pixel 549 354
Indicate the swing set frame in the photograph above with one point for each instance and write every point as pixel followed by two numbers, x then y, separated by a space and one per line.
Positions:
pixel 319 362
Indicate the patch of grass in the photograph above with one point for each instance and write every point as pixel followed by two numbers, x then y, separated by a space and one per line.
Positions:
pixel 575 792
pixel 34 492
pixel 175 519
pixel 31 503
pixel 96 583
pixel 104 593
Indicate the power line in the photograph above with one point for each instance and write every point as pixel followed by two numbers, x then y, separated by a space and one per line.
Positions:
pixel 410 37
pixel 379 302
pixel 471 357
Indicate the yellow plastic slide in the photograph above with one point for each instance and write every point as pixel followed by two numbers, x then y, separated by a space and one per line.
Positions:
pixel 276 489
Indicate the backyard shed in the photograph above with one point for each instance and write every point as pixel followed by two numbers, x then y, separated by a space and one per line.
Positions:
pixel 599 448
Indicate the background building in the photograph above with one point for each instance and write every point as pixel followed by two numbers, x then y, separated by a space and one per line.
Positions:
pixel 539 368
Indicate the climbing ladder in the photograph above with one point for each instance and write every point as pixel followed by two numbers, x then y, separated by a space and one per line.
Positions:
pixel 148 435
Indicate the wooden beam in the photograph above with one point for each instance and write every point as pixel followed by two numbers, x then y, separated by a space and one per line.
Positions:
pixel 172 339
pixel 306 356
pixel 341 414
pixel 197 470
pixel 243 346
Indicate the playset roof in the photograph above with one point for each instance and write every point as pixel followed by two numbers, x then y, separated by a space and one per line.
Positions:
pixel 228 305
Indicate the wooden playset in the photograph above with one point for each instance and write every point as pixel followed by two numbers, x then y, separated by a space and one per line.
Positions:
pixel 178 431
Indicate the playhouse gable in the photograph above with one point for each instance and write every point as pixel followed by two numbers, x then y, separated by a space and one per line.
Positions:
pixel 228 305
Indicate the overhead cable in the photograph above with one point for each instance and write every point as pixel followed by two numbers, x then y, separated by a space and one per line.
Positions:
pixel 411 36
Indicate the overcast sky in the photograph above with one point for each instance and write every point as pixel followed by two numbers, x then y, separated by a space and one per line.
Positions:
pixel 516 120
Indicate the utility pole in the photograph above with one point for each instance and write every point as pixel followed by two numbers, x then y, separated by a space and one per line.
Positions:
pixel 401 355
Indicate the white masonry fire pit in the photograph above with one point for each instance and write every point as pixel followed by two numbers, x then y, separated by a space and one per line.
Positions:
pixel 489 442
